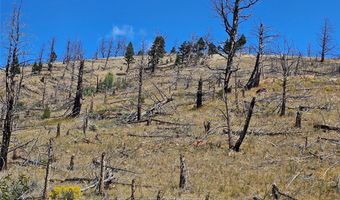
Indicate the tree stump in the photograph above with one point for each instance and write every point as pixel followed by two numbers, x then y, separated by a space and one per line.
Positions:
pixel 298 119
pixel 183 173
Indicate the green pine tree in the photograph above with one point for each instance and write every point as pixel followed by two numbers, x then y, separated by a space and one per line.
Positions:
pixel 239 44
pixel 173 50
pixel 200 46
pixel 185 50
pixel 212 49
pixel 129 56
pixel 157 52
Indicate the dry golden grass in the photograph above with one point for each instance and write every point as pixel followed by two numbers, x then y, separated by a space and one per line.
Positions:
pixel 213 169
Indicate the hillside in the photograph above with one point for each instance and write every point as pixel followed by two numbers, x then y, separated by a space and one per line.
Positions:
pixel 302 162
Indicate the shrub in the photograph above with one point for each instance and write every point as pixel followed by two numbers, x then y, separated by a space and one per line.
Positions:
pixel 88 91
pixel 14 189
pixel 46 113
pixel 121 84
pixel 63 192
pixel 107 83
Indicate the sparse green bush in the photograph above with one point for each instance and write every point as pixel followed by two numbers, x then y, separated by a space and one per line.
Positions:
pixel 93 128
pixel 88 91
pixel 20 105
pixel 13 188
pixel 46 113
pixel 108 82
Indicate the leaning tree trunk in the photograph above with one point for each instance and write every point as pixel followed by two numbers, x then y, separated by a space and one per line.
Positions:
pixel 79 94
pixel 245 128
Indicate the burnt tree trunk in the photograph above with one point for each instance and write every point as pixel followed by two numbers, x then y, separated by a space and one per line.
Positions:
pixel 102 173
pixel 47 172
pixel 245 128
pixel 183 173
pixel 11 94
pixel 284 93
pixel 298 119
pixel 79 94
pixel 199 99
pixel 140 87
pixel 133 189
pixel 254 79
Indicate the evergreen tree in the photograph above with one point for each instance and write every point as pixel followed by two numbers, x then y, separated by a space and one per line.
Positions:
pixel 35 68
pixel 212 49
pixel 157 52
pixel 239 44
pixel 173 50
pixel 184 51
pixel 129 56
pixel 140 53
pixel 200 46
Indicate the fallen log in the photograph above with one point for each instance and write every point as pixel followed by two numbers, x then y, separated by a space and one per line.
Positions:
pixel 326 127
pixel 151 111
pixel 114 169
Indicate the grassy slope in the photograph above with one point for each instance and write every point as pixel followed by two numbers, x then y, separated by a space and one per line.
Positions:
pixel 213 169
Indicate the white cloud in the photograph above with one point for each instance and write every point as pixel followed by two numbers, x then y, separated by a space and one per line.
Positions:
pixel 123 31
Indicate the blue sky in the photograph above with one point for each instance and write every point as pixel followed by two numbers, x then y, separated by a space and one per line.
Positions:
pixel 298 21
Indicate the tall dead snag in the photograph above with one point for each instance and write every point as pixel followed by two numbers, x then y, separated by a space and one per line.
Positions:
pixel 109 49
pixel 199 96
pixel 286 61
pixel 232 13
pixel 254 79
pixel 245 127
pixel 326 40
pixel 12 88
pixel 79 93
pixel 182 173
pixel 102 175
pixel 102 47
pixel 285 71
pixel 52 56
pixel 140 84
pixel 47 172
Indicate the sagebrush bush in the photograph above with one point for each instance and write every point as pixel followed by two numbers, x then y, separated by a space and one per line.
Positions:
pixel 46 113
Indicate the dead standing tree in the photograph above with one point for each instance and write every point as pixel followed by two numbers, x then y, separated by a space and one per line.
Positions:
pixel 140 84
pixel 52 56
pixel 326 40
pixel 287 60
pixel 102 47
pixel 108 53
pixel 79 93
pixel 232 13
pixel 12 82
pixel 254 80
